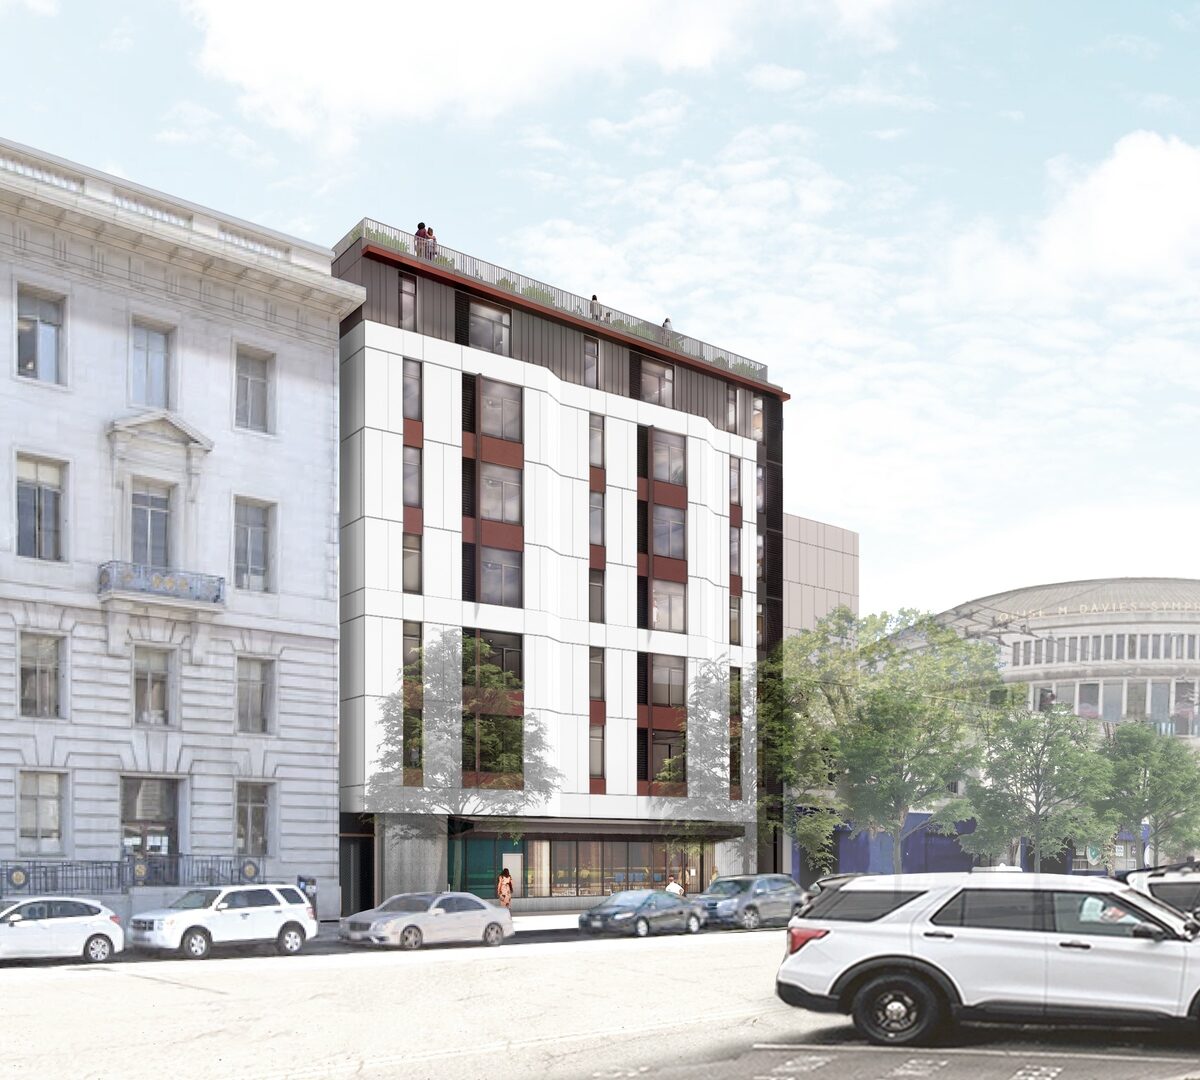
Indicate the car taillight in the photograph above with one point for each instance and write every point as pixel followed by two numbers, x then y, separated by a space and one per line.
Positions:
pixel 116 919
pixel 311 914
pixel 799 936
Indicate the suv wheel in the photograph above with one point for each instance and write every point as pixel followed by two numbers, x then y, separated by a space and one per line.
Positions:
pixel 98 950
pixel 897 1010
pixel 194 944
pixel 290 940
pixel 751 919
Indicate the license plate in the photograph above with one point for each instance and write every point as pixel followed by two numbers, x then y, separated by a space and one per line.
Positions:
pixel 597 923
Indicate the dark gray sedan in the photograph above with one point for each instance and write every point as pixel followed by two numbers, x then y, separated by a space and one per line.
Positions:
pixel 641 912
pixel 751 900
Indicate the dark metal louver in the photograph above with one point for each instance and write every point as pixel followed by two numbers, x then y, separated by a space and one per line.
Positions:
pixel 469 383
pixel 643 604
pixel 468 487
pixel 643 450
pixel 468 573
pixel 643 678
pixel 462 319
pixel 643 754
pixel 643 527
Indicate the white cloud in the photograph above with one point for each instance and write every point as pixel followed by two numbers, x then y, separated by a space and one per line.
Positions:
pixel 869 24
pixel 775 79
pixel 470 60
pixel 1129 44
pixel 35 7
pixel 657 116
pixel 889 134
pixel 120 38
pixel 189 124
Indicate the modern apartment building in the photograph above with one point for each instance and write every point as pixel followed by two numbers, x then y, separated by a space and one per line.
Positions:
pixel 562 554
pixel 168 548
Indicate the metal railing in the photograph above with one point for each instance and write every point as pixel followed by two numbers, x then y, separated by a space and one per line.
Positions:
pixel 170 584
pixel 33 877
pixel 548 296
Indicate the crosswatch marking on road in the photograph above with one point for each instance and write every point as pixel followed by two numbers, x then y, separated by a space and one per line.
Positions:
pixel 1037 1072
pixel 916 1068
pixel 794 1067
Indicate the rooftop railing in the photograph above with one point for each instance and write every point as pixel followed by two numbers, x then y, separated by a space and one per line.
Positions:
pixel 540 294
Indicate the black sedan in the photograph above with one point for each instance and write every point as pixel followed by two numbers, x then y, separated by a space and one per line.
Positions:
pixel 641 912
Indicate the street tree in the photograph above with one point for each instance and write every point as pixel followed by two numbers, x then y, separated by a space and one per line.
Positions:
pixel 1155 780
pixel 1042 778
pixel 895 696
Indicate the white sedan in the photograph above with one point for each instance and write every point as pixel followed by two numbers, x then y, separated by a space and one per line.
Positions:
pixel 47 926
pixel 411 920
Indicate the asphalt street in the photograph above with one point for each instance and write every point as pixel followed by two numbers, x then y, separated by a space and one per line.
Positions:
pixel 662 1009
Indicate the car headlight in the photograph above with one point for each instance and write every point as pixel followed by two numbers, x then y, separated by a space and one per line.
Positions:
pixel 160 924
pixel 623 915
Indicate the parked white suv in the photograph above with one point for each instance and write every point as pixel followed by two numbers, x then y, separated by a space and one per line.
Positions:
pixel 905 954
pixel 1177 885
pixel 235 915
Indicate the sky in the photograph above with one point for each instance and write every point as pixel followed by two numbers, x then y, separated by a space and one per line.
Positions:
pixel 964 237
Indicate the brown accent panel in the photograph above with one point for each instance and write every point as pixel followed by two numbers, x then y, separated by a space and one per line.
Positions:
pixel 596 712
pixel 596 786
pixel 469 449
pixel 643 489
pixel 670 791
pixel 668 717
pixel 735 584
pixel 643 716
pixel 414 433
pixel 583 323
pixel 643 565
pixel 643 787
pixel 501 452
pixel 496 781
pixel 735 726
pixel 735 791
pixel 735 517
pixel 414 519
pixel 596 557
pixel 670 495
pixel 498 534
pixel 596 481
pixel 469 530
pixel 670 569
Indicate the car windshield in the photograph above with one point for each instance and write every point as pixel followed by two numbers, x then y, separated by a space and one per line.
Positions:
pixel 631 898
pixel 406 902
pixel 729 886
pixel 197 898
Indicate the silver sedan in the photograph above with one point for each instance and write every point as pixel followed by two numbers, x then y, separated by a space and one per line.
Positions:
pixel 410 920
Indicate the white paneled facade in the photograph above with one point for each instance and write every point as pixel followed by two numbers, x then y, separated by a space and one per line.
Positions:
pixel 554 619
pixel 168 541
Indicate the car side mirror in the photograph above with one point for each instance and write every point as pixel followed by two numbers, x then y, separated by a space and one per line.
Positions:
pixel 439 911
pixel 222 905
pixel 14 918
pixel 1149 931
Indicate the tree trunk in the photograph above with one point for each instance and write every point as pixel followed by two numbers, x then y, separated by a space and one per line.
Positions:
pixel 1037 846
pixel 897 849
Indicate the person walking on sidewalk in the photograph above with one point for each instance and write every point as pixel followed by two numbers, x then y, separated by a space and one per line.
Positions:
pixel 504 888
pixel 673 886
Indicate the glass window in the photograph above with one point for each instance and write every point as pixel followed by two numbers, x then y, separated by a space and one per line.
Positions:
pixel 1183 895
pixel 670 532
pixel 151 686
pixel 1184 710
pixel 670 606
pixel 151 514
pixel 735 620
pixel 991 909
pixel 502 410
pixel 1089 700
pixel 41 813
pixel 735 481
pixel 562 868
pixel 596 751
pixel 149 816
pixel 252 546
pixel 411 644
pixel 596 673
pixel 254 679
pixel 253 387
pixel 596 517
pixel 591 362
pixel 1064 694
pixel 760 483
pixel 408 302
pixel 40 675
pixel 412 390
pixel 1094 914
pixel 670 457
pixel 412 563
pixel 761 621
pixel 756 418
pixel 735 550
pixel 731 403
pixel 760 555
pixel 596 596
pixel 596 440
pixel 668 757
pixel 860 905
pixel 39 336
pixel 252 822
pixel 412 476
pixel 500 493
pixel 1111 709
pixel 151 366
pixel 1135 699
pixel 501 574
pixel 1119 650
pixel 668 681
pixel 735 691
pixel 658 383
pixel 39 509
pixel 490 328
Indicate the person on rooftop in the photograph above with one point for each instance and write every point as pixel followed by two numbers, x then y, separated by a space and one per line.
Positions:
pixel 422 238
pixel 595 307
pixel 431 244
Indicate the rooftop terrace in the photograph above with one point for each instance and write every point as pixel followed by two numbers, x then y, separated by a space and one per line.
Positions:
pixel 539 294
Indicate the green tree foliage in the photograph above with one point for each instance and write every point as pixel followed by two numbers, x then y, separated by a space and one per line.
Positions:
pixel 1042 777
pixel 1155 779
pixel 891 701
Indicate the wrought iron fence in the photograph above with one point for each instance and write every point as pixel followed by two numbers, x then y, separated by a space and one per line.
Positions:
pixel 31 877
pixel 173 584
pixel 550 296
